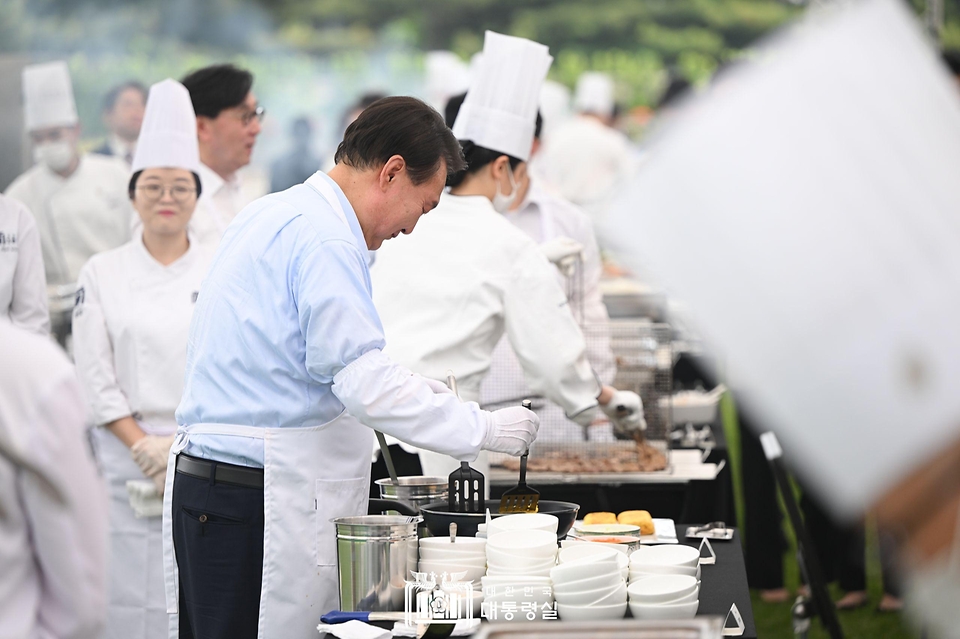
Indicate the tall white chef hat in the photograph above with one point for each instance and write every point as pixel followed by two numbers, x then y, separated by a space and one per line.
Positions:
pixel 594 94
pixel 554 104
pixel 500 110
pixel 168 137
pixel 48 96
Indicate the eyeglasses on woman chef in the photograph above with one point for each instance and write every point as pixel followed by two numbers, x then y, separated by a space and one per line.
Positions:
pixel 154 192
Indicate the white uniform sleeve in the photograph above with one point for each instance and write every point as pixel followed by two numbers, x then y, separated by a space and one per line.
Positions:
pixel 28 308
pixel 93 353
pixel 64 506
pixel 390 398
pixel 546 338
pixel 595 317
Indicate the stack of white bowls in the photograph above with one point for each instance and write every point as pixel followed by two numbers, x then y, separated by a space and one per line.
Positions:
pixel 590 588
pixel 590 552
pixel 439 555
pixel 513 598
pixel 664 597
pixel 523 521
pixel 530 553
pixel 664 560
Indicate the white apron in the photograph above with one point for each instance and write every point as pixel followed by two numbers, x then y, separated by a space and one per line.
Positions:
pixel 136 604
pixel 311 476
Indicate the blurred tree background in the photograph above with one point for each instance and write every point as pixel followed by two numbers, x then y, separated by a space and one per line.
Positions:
pixel 365 44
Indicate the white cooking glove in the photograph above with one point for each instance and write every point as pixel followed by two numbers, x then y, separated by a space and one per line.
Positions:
pixel 436 386
pixel 151 453
pixel 564 252
pixel 625 411
pixel 511 430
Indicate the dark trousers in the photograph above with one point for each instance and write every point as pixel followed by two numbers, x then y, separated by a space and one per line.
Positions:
pixel 842 550
pixel 406 465
pixel 218 540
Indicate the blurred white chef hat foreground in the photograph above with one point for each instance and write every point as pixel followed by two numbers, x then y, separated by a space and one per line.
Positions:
pixel 554 104
pixel 818 187
pixel 168 137
pixel 594 94
pixel 500 110
pixel 48 96
pixel 446 76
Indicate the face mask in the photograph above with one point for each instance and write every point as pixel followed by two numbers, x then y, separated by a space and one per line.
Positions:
pixel 932 592
pixel 56 155
pixel 501 202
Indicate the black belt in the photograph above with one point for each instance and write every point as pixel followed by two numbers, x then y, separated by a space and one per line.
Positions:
pixel 224 473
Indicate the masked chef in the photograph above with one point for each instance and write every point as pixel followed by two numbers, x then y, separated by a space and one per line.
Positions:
pixel 448 293
pixel 130 329
pixel 78 199
pixel 286 378
pixel 23 286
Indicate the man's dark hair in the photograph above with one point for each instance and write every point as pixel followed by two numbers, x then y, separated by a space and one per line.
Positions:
pixel 218 87
pixel 477 156
pixel 401 126
pixel 110 99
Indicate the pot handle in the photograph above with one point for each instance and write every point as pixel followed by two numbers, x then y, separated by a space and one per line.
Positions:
pixel 377 506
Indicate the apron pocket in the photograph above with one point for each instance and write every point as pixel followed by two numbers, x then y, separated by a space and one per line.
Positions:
pixel 337 498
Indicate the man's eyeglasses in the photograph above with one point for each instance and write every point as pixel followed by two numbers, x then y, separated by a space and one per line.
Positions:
pixel 153 192
pixel 246 117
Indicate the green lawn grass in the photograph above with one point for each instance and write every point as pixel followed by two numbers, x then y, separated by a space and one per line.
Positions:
pixel 774 621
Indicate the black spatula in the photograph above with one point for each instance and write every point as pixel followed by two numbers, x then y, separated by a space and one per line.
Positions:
pixel 466 485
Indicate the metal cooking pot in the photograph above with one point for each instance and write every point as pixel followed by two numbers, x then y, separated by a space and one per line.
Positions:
pixel 415 491
pixel 437 517
pixel 375 555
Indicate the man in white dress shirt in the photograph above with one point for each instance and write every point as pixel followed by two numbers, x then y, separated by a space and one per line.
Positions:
pixel 228 123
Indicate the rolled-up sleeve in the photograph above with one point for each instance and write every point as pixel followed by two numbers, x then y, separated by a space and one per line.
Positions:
pixel 337 317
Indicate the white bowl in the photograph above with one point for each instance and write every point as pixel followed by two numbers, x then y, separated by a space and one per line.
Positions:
pixel 522 580
pixel 578 570
pixel 519 569
pixel 473 543
pixel 668 611
pixel 666 555
pixel 444 553
pixel 693 596
pixel 591 613
pixel 473 573
pixel 494 572
pixel 475 597
pixel 450 564
pixel 520 542
pixel 607 595
pixel 535 556
pixel 523 521
pixel 621 548
pixel 593 583
pixel 662 588
pixel 585 551
pixel 645 571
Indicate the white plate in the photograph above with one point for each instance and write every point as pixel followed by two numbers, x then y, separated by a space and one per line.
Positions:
pixel 607 529
pixel 661 588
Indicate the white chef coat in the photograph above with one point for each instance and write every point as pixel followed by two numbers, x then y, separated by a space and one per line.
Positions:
pixel 23 287
pixel 77 216
pixel 130 328
pixel 220 201
pixel 53 528
pixel 448 291
pixel 544 216
pixel 586 161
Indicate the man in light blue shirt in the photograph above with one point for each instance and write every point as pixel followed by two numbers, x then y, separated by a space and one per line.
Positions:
pixel 285 380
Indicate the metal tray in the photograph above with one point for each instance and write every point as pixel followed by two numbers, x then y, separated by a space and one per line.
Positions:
pixel 698 628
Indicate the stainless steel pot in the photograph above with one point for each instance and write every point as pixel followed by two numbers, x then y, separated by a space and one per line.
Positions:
pixel 415 491
pixel 375 554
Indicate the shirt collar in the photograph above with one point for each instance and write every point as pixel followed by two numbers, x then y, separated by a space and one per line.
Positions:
pixel 348 212
pixel 211 182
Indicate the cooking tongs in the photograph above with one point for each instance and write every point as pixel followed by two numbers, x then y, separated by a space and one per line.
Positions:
pixel 467 485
